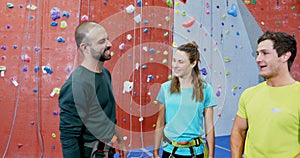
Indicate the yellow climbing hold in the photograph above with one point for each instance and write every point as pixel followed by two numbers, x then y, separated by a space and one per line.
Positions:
pixel 31 7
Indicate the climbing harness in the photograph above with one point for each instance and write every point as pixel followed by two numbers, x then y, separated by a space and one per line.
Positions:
pixel 195 142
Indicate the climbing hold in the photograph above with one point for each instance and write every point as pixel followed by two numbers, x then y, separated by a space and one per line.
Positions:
pixel 25 69
pixel 36 48
pixel 65 14
pixel 14 81
pixel 152 51
pixel 124 138
pixel 112 54
pixel 84 18
pixel 55 13
pixel 149 78
pixel 174 45
pixel 166 34
pixel 53 23
pixel 47 70
pixel 227 60
pixel 60 39
pixel 25 58
pixel 165 61
pixel 55 112
pixel 122 46
pixel 105 2
pixel 141 119
pixel 15 46
pixel 183 13
pixel 129 37
pixel 232 11
pixel 145 48
pixel 227 73
pixel 127 86
pixel 144 67
pixel 146 22
pixel 177 4
pixel 224 16
pixel 53 135
pixel 9 5
pixel 203 71
pixel 31 123
pixel 234 87
pixel 137 65
pixel 155 102
pixel 35 90
pixel 218 93
pixel 170 77
pixel 63 24
pixel 130 9
pixel 19 145
pixel 167 18
pixel 52 146
pixel 169 3
pixel 146 30
pixel 2 70
pixel 31 7
pixel 138 18
pixel 36 69
pixel 3 47
pixel 183 1
pixel 54 91
pixel 8 26
pixel 139 3
pixel 124 120
pixel 189 23
pixel 3 57
pixel 247 1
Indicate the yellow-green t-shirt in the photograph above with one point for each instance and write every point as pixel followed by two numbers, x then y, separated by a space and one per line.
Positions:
pixel 273 115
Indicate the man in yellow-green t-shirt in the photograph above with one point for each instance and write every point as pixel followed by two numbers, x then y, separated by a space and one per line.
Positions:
pixel 267 124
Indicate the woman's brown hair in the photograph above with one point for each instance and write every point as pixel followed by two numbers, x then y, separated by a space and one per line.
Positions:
pixel 191 49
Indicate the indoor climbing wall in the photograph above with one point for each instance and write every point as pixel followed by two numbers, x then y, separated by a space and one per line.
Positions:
pixel 37 50
pixel 38 53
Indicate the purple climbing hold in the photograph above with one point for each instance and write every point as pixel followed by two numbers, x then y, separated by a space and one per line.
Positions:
pixel 55 13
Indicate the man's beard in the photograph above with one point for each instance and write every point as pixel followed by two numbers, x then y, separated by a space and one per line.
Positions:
pixel 103 57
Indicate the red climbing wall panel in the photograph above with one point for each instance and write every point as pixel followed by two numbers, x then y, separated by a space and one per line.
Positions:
pixel 27 110
pixel 279 15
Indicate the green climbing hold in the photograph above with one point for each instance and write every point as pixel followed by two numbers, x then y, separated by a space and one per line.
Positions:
pixel 9 5
pixel 169 3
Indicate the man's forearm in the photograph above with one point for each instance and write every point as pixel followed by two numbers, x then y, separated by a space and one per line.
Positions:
pixel 237 141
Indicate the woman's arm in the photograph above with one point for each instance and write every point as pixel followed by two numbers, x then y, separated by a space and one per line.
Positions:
pixel 160 124
pixel 210 130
